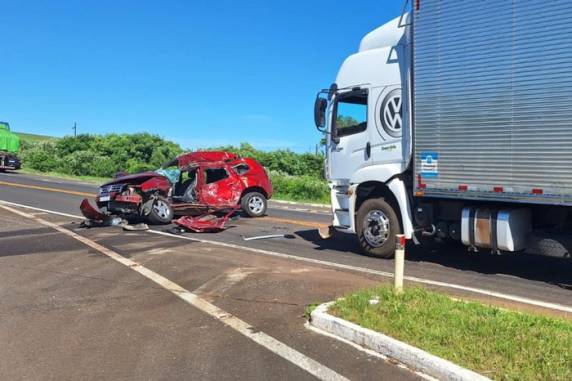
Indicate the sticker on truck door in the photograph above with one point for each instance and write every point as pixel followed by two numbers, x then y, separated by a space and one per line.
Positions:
pixel 429 164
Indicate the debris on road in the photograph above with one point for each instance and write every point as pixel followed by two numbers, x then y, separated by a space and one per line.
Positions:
pixel 270 236
pixel 136 227
pixel 326 232
pixel 206 223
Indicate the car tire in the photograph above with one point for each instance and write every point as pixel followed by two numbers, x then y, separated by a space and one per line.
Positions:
pixel 254 204
pixel 376 227
pixel 161 212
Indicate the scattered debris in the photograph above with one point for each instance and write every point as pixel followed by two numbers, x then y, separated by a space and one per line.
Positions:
pixel 136 227
pixel 288 236
pixel 326 232
pixel 206 223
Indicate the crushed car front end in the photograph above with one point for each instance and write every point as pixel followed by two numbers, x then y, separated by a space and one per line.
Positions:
pixel 119 198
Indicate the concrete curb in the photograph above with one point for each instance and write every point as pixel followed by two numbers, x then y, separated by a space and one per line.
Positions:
pixel 410 356
pixel 325 206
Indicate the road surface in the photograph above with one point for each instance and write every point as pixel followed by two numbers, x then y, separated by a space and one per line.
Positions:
pixel 73 310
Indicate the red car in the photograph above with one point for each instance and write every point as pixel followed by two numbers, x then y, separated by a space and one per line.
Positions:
pixel 192 184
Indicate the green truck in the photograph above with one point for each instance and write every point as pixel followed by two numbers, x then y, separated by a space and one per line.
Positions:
pixel 9 147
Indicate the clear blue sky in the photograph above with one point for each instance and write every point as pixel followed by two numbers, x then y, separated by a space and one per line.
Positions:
pixel 201 73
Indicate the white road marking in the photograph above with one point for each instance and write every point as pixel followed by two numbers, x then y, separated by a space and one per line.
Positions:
pixel 480 291
pixel 299 359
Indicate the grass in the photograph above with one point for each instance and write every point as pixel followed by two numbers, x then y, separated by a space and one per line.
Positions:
pixel 500 344
pixel 33 138
pixel 309 309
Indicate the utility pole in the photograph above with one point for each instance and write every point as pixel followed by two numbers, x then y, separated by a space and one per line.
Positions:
pixel 74 129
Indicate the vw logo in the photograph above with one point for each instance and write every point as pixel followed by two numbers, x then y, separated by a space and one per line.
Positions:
pixel 391 113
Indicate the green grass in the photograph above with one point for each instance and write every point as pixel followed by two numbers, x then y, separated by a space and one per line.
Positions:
pixel 500 344
pixel 33 138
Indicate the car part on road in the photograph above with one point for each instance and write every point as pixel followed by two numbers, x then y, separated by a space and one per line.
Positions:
pixel 326 232
pixel 136 227
pixel 288 236
pixel 206 223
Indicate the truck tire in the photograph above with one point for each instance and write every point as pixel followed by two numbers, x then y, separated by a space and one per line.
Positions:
pixel 376 228
pixel 254 204
pixel 161 212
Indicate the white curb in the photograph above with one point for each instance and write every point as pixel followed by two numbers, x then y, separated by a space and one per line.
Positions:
pixel 410 356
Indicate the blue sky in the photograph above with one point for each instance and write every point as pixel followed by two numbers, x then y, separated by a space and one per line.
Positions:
pixel 201 73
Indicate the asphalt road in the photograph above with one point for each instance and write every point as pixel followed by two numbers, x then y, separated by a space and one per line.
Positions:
pixel 69 312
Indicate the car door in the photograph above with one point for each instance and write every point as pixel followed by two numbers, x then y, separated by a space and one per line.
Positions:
pixel 220 188
pixel 350 147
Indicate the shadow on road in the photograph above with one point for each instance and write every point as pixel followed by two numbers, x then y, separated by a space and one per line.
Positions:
pixel 557 271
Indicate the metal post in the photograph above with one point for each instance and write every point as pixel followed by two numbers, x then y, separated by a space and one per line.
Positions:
pixel 399 263
pixel 74 130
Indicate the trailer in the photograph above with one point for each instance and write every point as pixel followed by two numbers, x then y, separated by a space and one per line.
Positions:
pixel 454 121
pixel 9 147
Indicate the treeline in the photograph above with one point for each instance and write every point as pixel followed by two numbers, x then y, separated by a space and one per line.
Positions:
pixel 294 176
pixel 100 155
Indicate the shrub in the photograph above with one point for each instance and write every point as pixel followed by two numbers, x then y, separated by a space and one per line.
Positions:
pixel 300 188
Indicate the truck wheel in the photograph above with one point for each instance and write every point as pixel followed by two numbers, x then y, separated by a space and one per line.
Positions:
pixel 376 227
pixel 161 212
pixel 254 204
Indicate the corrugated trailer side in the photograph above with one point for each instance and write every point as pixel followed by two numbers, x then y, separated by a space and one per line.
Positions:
pixel 493 100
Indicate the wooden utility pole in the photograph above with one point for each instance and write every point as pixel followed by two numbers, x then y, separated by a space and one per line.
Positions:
pixel 74 129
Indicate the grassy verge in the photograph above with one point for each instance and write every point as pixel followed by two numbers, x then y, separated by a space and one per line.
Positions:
pixel 34 138
pixel 500 344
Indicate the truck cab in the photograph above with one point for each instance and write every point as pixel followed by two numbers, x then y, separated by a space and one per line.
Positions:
pixel 365 118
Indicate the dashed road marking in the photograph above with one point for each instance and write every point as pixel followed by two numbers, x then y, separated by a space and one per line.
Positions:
pixel 479 291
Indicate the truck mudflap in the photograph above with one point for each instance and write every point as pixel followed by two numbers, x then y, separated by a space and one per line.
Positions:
pixel 205 223
pixel 90 212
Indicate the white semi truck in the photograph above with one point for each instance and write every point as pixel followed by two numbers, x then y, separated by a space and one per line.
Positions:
pixel 454 121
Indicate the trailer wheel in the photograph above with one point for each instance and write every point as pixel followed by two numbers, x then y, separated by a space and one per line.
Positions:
pixel 161 212
pixel 254 204
pixel 376 228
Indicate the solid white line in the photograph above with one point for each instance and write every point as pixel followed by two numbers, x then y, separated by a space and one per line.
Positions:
pixel 309 365
pixel 499 295
pixel 41 210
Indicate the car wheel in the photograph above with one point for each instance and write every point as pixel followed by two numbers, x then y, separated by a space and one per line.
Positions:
pixel 376 227
pixel 161 212
pixel 254 204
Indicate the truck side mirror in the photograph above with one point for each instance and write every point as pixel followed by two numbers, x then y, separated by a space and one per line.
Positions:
pixel 320 112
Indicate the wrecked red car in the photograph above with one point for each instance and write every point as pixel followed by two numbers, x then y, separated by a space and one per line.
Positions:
pixel 193 184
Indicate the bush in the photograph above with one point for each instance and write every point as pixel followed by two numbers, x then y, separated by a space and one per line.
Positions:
pixel 41 156
pixel 100 155
pixel 300 188
pixel 283 161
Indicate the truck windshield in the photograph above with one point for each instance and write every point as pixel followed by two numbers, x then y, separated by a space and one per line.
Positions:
pixel 351 113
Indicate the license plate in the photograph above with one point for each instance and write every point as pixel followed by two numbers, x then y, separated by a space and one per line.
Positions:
pixel 104 198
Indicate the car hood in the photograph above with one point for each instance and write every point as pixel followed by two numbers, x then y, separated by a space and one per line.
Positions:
pixel 136 178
